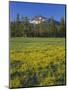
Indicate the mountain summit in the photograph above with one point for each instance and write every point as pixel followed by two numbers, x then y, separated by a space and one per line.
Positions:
pixel 39 19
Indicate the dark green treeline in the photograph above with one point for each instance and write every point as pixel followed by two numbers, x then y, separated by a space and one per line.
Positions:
pixel 23 28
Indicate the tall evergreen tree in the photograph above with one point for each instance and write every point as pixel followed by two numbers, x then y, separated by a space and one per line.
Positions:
pixel 62 27
pixel 26 26
pixel 53 28
pixel 17 25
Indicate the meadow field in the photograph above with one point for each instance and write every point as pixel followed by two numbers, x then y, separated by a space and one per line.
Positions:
pixel 37 62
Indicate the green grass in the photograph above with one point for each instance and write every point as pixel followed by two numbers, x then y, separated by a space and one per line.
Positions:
pixel 37 62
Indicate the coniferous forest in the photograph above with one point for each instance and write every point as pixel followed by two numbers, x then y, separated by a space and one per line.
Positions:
pixel 22 27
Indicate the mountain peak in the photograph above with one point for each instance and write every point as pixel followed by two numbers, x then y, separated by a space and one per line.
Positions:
pixel 38 19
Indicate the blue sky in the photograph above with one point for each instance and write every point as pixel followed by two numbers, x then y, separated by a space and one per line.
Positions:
pixel 33 9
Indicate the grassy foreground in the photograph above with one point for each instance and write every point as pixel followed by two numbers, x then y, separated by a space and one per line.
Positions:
pixel 37 62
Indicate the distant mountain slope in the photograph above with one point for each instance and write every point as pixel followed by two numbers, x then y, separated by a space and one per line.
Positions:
pixel 39 19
